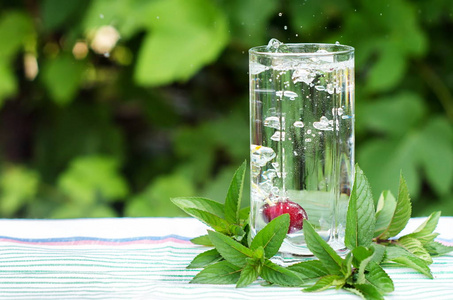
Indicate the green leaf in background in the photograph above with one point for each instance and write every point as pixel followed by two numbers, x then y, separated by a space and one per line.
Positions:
pixel 276 274
pixel 435 154
pixel 230 250
pixel 361 257
pixel 249 19
pixel 402 212
pixel 330 259
pixel 155 199
pixel 8 85
pixel 181 47
pixel 56 13
pixel 200 203
pixel 204 259
pixel 272 235
pixel 222 272
pixel 18 185
pixel 248 275
pixel 63 77
pixel 16 28
pixel 308 270
pixel 384 212
pixel 388 69
pixel 398 113
pixel 234 196
pixel 360 220
pixel 89 175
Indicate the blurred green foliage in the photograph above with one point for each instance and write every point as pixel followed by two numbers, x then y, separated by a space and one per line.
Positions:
pixel 111 107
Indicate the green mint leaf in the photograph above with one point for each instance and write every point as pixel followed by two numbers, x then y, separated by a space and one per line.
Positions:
pixel 248 275
pixel 436 248
pixel 361 257
pixel 429 225
pixel 424 232
pixel 377 277
pixel 205 258
pixel 384 212
pixel 325 282
pixel 202 240
pixel 222 272
pixel 199 203
pixel 330 259
pixel 230 250
pixel 402 256
pixel 244 213
pixel 276 274
pixel 308 270
pixel 402 212
pixel 360 221
pixel 378 253
pixel 209 219
pixel 272 235
pixel 415 247
pixel 346 266
pixel 368 291
pixel 234 196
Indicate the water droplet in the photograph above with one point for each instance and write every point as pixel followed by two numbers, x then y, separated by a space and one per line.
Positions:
pixel 337 43
pixel 337 111
pixel 330 88
pixel 261 155
pixel 107 54
pixel 308 140
pixel 158 17
pixel 280 14
pixel 299 124
pixel 285 27
pixel 324 124
pixel 320 88
pixel 276 46
pixel 297 34
pixel 278 136
pixel 101 16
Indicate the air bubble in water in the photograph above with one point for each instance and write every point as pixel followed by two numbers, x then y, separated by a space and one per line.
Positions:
pixel 303 75
pixel 261 155
pixel 299 124
pixel 269 174
pixel 323 124
pixel 278 136
pixel 274 122
pixel 290 94
pixel 285 27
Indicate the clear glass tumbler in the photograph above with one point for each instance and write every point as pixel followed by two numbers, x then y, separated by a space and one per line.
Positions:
pixel 302 139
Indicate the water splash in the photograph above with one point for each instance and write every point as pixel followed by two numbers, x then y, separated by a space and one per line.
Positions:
pixel 261 155
pixel 276 46
pixel 324 124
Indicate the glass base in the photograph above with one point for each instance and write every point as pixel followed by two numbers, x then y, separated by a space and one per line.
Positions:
pixel 290 254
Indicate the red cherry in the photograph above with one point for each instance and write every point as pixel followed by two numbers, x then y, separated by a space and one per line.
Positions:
pixel 297 214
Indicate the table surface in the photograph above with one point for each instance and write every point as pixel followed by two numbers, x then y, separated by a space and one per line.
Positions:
pixel 145 258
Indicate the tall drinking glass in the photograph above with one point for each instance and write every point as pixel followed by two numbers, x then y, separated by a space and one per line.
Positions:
pixel 302 139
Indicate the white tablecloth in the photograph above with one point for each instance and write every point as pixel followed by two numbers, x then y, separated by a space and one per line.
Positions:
pixel 145 258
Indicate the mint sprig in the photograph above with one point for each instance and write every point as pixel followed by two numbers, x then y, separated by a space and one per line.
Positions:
pixel 369 236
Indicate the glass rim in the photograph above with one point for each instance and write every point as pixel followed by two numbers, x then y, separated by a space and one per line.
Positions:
pixel 262 50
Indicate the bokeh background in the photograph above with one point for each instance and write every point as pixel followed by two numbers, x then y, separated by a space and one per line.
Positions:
pixel 110 107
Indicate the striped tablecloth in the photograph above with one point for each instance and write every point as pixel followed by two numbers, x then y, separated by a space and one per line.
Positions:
pixel 145 258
